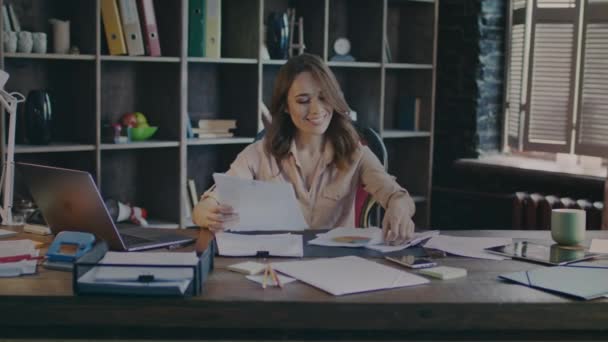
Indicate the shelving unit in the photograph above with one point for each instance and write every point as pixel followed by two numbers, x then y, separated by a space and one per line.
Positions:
pixel 93 88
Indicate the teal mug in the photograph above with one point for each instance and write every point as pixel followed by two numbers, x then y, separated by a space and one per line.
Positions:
pixel 568 226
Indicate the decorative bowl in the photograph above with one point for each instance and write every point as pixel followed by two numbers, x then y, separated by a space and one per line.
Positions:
pixel 142 133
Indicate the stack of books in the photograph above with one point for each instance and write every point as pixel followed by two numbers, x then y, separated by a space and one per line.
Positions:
pixel 215 128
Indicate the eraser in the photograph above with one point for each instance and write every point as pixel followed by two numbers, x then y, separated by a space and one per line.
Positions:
pixel 248 267
pixel 444 272
pixel 37 229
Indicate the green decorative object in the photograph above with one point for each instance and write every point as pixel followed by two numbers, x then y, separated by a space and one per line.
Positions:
pixel 142 133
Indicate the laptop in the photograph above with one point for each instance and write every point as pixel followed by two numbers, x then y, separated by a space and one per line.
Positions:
pixel 69 200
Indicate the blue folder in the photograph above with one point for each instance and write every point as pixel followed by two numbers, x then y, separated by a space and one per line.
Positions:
pixel 584 281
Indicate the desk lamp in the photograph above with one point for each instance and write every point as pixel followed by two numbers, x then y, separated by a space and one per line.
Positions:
pixel 9 101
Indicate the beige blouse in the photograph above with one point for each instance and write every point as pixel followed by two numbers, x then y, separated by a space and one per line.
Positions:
pixel 330 200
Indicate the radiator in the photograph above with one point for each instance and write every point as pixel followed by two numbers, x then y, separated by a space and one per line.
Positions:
pixel 533 211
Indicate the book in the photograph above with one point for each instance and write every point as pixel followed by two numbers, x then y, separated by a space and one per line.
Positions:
pixel 149 27
pixel 113 28
pixel 408 114
pixel 217 124
pixel 6 21
pixel 196 28
pixel 14 20
pixel 131 27
pixel 210 130
pixel 214 135
pixel 213 28
pixel 192 192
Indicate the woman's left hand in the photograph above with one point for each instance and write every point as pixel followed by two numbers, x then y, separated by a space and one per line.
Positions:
pixel 397 225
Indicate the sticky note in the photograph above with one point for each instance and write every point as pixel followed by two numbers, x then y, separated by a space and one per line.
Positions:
pixel 444 272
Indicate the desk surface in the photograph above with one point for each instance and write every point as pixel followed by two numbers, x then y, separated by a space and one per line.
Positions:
pixel 476 307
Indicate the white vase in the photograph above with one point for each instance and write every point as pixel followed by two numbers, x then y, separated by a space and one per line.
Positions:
pixel 40 42
pixel 10 41
pixel 61 35
pixel 25 42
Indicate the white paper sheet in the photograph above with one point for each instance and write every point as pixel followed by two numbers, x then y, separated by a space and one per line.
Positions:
pixel 350 274
pixel 472 247
pixel 285 245
pixel 260 205
pixel 599 246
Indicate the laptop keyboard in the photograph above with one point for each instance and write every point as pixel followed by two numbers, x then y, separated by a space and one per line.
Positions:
pixel 131 240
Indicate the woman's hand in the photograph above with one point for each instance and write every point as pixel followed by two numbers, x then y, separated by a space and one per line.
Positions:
pixel 212 215
pixel 397 225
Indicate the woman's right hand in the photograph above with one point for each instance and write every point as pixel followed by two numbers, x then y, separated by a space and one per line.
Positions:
pixel 212 215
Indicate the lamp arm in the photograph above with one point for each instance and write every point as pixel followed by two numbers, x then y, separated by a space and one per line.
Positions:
pixel 9 101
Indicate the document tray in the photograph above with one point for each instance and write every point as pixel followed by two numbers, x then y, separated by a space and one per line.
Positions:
pixel 92 277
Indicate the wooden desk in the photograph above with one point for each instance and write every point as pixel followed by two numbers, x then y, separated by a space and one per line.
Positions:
pixel 476 307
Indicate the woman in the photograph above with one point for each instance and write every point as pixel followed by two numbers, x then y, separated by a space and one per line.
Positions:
pixel 312 144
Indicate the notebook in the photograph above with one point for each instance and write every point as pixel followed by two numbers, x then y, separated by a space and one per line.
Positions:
pixel 69 200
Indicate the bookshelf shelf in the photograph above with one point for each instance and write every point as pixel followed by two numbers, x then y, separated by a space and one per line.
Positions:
pixel 19 55
pixel 55 147
pixel 408 66
pixel 140 145
pixel 354 64
pixel 220 141
pixel 274 61
pixel 140 59
pixel 222 60
pixel 94 89
pixel 395 134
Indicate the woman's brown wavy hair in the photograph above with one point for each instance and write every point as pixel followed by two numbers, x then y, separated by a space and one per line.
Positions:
pixel 340 132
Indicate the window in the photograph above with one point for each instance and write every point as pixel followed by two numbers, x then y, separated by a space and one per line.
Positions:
pixel 557 77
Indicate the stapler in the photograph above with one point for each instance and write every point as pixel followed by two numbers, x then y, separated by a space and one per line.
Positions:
pixel 67 248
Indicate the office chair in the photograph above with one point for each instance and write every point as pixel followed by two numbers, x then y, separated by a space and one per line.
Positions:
pixel 368 212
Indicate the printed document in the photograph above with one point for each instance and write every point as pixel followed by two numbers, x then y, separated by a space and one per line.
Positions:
pixel 350 274
pixel 260 205
pixel 284 245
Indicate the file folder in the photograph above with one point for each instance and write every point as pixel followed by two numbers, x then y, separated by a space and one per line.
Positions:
pixel 113 27
pixel 579 282
pixel 213 29
pixel 196 28
pixel 131 27
pixel 149 27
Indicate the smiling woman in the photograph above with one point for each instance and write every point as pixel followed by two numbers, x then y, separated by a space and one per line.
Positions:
pixel 313 145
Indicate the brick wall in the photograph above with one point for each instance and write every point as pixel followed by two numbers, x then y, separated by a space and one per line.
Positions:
pixel 469 81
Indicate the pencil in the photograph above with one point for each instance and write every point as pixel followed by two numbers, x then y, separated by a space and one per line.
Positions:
pixel 275 276
pixel 265 276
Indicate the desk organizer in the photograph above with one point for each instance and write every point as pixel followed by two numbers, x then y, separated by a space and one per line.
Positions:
pixel 145 284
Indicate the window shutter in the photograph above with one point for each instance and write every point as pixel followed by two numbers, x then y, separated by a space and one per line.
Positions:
pixel 548 125
pixel 515 74
pixel 592 125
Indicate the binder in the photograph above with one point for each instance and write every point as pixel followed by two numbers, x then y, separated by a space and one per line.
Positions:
pixel 6 22
pixel 213 28
pixel 196 28
pixel 113 28
pixel 131 27
pixel 149 27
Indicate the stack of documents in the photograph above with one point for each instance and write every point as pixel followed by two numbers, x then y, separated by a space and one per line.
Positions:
pixel 350 274
pixel 141 276
pixel 472 247
pixel 261 206
pixel 17 257
pixel 283 245
pixel 365 237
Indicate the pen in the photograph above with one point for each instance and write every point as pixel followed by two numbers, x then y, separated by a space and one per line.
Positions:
pixel 265 276
pixel 275 276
